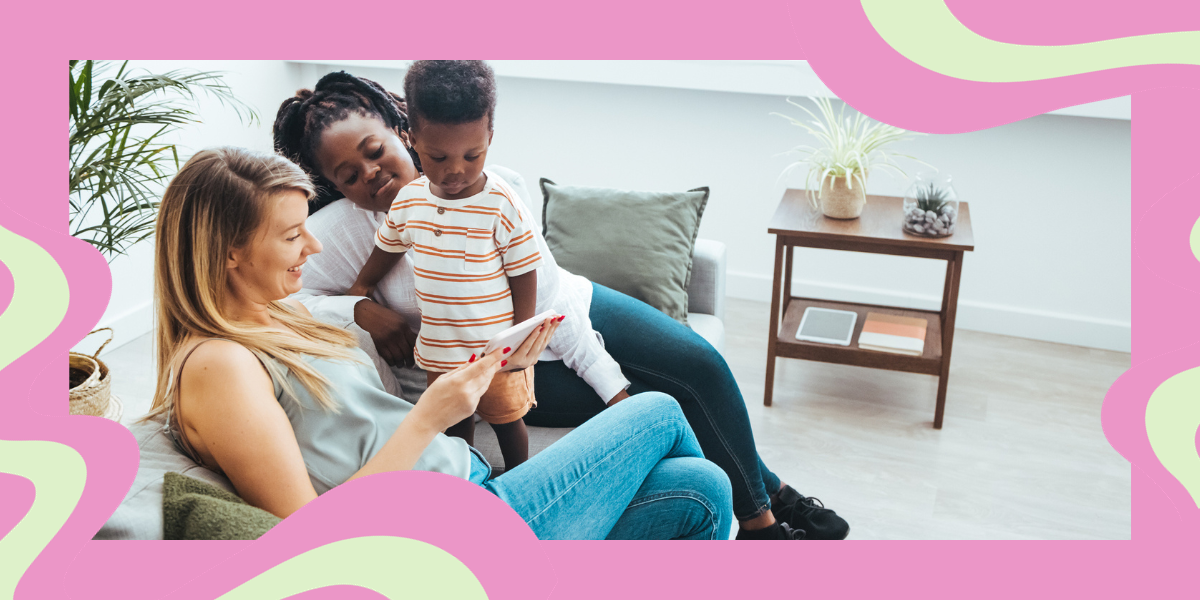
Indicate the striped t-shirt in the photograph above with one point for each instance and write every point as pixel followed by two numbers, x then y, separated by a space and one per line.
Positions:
pixel 464 251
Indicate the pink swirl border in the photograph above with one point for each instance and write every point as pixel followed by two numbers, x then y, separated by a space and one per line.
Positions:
pixel 843 43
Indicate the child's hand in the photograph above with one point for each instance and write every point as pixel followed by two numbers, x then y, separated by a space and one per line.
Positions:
pixel 359 289
pixel 394 340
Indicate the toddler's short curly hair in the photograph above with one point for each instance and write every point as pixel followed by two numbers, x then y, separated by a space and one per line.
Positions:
pixel 450 92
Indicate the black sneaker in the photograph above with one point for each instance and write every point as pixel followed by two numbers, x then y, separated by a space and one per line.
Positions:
pixel 778 531
pixel 809 514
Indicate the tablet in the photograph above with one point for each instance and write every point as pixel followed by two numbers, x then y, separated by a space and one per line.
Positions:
pixel 514 336
pixel 827 326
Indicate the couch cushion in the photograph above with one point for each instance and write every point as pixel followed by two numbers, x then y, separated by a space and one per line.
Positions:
pixel 710 328
pixel 638 243
pixel 140 515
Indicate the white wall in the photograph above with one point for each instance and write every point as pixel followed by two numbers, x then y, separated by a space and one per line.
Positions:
pixel 262 85
pixel 1049 195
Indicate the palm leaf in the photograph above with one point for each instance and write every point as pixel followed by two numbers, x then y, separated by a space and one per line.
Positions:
pixel 119 158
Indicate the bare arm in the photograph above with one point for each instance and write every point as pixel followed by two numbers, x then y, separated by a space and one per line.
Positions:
pixel 231 416
pixel 524 295
pixel 228 410
pixel 450 399
pixel 378 264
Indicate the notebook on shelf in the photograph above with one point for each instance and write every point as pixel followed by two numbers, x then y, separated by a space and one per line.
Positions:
pixel 892 333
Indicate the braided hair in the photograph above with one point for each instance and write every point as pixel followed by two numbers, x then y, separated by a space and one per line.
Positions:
pixel 304 117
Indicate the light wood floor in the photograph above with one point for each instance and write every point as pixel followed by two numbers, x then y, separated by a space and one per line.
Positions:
pixel 1021 453
pixel 1021 456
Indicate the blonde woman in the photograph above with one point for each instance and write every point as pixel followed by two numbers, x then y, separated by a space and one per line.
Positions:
pixel 288 407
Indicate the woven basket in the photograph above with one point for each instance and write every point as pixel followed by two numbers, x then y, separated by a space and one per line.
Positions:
pixel 94 396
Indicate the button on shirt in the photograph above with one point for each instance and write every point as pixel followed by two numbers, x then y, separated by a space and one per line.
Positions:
pixel 463 253
pixel 347 233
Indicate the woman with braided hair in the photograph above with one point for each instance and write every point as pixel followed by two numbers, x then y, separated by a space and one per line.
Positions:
pixel 352 136
pixel 288 407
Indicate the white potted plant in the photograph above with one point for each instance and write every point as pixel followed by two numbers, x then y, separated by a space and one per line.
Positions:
pixel 851 148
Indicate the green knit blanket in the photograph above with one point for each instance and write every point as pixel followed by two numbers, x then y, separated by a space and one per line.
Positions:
pixel 195 510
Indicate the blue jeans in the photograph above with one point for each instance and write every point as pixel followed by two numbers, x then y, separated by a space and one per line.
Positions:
pixel 634 472
pixel 658 353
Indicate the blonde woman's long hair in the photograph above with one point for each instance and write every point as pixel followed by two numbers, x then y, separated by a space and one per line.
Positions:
pixel 215 203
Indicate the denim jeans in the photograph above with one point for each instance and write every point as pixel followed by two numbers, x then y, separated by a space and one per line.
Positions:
pixel 633 472
pixel 657 353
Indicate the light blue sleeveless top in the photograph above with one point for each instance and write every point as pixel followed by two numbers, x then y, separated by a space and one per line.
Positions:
pixel 335 445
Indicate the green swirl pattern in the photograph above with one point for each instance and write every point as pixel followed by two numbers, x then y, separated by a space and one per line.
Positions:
pixel 58 474
pixel 39 300
pixel 927 33
pixel 1172 416
pixel 394 567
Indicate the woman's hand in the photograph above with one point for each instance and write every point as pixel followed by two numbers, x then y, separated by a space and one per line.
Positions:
pixel 526 355
pixel 393 338
pixel 455 395
pixel 448 400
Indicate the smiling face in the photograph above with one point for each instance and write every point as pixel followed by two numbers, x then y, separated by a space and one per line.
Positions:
pixel 269 266
pixel 453 156
pixel 365 160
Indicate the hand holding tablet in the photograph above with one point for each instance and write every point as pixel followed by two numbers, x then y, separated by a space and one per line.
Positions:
pixel 516 335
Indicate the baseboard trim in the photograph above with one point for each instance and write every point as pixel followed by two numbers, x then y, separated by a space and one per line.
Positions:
pixel 987 317
pixel 127 326
pixel 973 315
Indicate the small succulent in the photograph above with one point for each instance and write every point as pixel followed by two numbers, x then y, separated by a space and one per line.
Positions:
pixel 931 198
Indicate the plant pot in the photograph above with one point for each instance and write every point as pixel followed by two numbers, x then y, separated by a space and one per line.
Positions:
pixel 839 201
pixel 91 385
pixel 929 214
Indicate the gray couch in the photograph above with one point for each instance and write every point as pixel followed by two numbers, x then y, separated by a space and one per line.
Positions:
pixel 706 316
pixel 139 517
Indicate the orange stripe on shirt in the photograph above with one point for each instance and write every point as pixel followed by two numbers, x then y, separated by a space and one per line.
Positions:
pixel 460 303
pixel 501 192
pixel 521 239
pixel 455 254
pixel 448 322
pixel 436 276
pixel 411 202
pixel 452 343
pixel 444 321
pixel 390 242
pixel 528 260
pixel 484 297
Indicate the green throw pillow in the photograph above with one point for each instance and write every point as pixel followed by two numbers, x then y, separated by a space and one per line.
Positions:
pixel 638 243
pixel 195 510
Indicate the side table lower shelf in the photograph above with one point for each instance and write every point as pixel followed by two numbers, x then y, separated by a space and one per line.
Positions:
pixel 787 346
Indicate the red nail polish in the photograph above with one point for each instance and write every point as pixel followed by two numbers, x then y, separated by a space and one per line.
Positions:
pixel 503 362
pixel 562 317
pixel 506 350
pixel 472 359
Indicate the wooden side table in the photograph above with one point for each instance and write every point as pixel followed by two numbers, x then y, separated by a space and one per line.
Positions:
pixel 798 223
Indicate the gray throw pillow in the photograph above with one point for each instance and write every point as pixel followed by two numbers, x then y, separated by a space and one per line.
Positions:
pixel 638 243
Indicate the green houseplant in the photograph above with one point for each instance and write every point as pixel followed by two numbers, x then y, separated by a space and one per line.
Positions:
pixel 119 150
pixel 850 148
pixel 120 158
